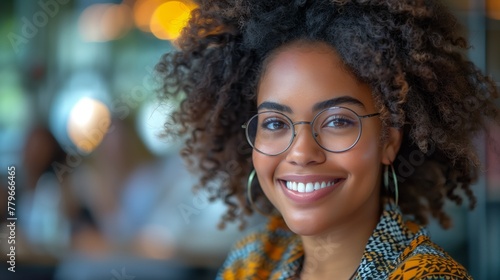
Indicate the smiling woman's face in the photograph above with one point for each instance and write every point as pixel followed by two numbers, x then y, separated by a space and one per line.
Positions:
pixel 298 80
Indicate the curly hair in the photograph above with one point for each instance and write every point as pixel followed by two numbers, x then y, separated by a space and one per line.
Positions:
pixel 410 52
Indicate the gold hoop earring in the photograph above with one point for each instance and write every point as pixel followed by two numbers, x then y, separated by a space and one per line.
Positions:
pixel 252 203
pixel 395 182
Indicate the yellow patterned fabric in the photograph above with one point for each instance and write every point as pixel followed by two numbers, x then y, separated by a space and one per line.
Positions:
pixel 396 250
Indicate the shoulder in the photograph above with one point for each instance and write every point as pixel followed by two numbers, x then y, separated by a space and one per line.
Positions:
pixel 258 253
pixel 428 261
pixel 265 239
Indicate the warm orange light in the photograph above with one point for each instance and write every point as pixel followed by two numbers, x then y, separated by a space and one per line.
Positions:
pixel 143 12
pixel 493 9
pixel 170 18
pixel 104 22
pixel 118 20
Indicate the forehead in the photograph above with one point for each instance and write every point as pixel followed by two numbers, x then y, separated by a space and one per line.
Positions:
pixel 303 73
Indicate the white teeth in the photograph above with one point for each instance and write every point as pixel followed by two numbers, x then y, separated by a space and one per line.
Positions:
pixel 308 187
pixel 301 187
pixel 291 185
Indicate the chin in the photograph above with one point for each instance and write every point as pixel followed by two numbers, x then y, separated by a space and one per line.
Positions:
pixel 305 225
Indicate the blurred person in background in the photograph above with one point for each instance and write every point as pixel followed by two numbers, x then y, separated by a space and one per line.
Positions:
pixel 41 196
pixel 124 212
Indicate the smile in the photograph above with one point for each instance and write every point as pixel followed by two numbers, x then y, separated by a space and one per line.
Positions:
pixel 308 187
pixel 305 190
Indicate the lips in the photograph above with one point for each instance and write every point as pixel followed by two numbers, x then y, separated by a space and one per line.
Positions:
pixel 309 189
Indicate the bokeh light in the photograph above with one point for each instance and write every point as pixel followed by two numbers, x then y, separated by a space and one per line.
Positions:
pixel 143 12
pixel 88 122
pixel 493 9
pixel 150 125
pixel 170 18
pixel 105 22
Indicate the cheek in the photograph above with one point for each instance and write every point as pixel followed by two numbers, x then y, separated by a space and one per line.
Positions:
pixel 255 160
pixel 370 150
pixel 364 157
pixel 369 146
pixel 265 167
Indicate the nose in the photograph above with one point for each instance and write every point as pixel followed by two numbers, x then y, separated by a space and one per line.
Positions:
pixel 304 149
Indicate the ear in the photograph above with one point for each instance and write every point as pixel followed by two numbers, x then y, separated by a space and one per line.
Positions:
pixel 391 145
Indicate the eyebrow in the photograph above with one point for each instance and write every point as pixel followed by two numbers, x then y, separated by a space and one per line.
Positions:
pixel 317 107
pixel 337 101
pixel 274 106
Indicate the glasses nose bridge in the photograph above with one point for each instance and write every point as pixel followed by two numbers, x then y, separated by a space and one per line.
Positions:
pixel 297 123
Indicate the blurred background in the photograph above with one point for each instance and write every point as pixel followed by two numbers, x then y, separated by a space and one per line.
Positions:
pixel 99 195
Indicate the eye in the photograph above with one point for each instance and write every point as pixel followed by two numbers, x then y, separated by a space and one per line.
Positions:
pixel 339 121
pixel 274 124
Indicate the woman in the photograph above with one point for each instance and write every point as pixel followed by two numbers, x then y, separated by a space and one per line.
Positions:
pixel 356 119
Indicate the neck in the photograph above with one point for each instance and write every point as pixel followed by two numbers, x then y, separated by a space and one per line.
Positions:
pixel 337 253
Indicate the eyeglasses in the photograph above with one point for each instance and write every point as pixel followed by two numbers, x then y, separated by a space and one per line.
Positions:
pixel 335 129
